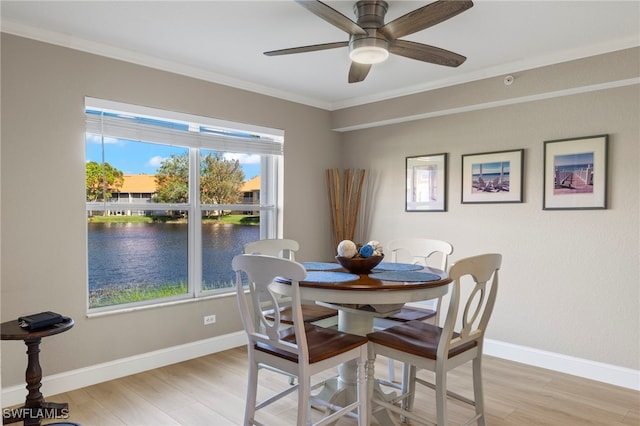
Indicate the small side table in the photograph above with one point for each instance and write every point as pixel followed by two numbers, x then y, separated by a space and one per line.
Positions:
pixel 35 407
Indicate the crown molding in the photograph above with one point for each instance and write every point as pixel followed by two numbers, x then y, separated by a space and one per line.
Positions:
pixel 138 58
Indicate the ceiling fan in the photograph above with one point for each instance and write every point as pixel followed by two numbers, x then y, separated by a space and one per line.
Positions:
pixel 371 40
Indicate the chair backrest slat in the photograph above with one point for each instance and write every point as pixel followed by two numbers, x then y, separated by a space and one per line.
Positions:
pixel 474 305
pixel 261 271
pixel 419 251
pixel 278 247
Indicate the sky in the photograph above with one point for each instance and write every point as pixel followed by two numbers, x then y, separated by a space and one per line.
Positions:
pixel 491 168
pixel 573 159
pixel 144 158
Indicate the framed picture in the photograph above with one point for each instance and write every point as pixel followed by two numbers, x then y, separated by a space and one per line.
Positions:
pixel 575 173
pixel 492 177
pixel 426 189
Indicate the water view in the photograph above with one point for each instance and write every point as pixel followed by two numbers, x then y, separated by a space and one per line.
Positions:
pixel 133 254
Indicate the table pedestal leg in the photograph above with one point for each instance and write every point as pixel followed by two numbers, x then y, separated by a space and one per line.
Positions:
pixel 35 408
pixel 362 325
pixel 353 323
pixel 33 374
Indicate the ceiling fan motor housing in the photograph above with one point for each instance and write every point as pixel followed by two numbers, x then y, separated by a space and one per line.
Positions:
pixel 373 47
pixel 371 40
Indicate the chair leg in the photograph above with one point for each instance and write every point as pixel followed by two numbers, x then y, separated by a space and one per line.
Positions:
pixel 363 397
pixel 408 387
pixel 252 394
pixel 477 390
pixel 370 378
pixel 392 373
pixel 441 395
pixel 304 404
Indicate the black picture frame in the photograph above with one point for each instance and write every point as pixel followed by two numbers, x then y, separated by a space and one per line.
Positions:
pixel 575 173
pixel 426 183
pixel 493 177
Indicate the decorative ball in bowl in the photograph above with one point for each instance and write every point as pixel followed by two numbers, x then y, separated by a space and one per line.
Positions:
pixel 359 265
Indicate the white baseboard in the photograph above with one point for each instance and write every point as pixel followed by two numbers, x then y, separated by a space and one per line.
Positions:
pixel 76 379
pixel 601 372
pixel 82 377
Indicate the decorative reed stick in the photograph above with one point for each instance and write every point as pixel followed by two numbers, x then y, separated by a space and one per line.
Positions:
pixel 344 201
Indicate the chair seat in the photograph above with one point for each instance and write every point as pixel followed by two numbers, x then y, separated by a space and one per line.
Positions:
pixel 323 343
pixel 417 338
pixel 310 313
pixel 410 313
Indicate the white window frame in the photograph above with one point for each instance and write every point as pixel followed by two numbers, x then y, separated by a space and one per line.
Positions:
pixel 259 140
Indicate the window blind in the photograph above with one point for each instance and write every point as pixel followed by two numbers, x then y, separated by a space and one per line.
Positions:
pixel 164 129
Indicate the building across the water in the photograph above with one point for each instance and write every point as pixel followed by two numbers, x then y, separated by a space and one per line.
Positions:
pixel 141 189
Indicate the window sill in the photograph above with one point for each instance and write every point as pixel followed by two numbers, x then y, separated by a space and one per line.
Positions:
pixel 125 310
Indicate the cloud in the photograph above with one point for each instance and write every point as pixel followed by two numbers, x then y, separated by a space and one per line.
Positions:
pixel 93 138
pixel 155 161
pixel 243 158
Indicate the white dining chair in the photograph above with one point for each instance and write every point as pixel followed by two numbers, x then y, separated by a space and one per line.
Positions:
pixel 286 249
pixel 278 247
pixel 302 349
pixel 421 251
pixel 441 349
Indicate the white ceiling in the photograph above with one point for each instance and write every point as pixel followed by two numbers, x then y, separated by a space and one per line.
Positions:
pixel 223 41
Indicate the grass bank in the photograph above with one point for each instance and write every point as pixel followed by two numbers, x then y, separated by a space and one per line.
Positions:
pixel 117 295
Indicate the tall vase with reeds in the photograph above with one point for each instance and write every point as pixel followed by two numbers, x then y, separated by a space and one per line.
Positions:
pixel 344 189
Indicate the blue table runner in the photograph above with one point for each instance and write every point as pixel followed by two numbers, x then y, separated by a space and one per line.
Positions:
pixel 320 266
pixel 405 276
pixel 393 266
pixel 330 277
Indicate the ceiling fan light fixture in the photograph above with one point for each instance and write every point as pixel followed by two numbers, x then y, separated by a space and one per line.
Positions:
pixel 369 51
pixel 370 38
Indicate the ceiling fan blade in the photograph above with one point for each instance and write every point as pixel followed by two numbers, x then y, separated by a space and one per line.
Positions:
pixel 332 16
pixel 311 48
pixel 426 53
pixel 358 72
pixel 425 17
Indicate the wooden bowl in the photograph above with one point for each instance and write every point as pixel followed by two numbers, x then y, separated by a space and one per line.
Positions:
pixel 359 265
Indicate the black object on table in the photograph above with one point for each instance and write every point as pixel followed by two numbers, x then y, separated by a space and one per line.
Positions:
pixel 35 407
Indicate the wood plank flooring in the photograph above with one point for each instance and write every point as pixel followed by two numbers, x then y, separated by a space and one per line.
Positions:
pixel 210 391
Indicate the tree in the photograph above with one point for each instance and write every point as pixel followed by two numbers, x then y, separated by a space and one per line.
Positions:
pixel 172 180
pixel 220 180
pixel 102 181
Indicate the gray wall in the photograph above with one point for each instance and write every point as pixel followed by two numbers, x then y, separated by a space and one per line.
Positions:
pixel 582 304
pixel 570 279
pixel 43 219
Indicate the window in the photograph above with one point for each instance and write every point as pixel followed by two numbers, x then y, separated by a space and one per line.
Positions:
pixel 171 198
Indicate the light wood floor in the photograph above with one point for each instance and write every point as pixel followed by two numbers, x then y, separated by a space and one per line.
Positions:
pixel 210 391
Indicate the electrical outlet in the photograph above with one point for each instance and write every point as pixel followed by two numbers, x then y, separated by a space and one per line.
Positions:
pixel 209 319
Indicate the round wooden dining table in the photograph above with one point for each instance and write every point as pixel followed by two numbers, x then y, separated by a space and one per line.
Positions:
pixel 359 298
